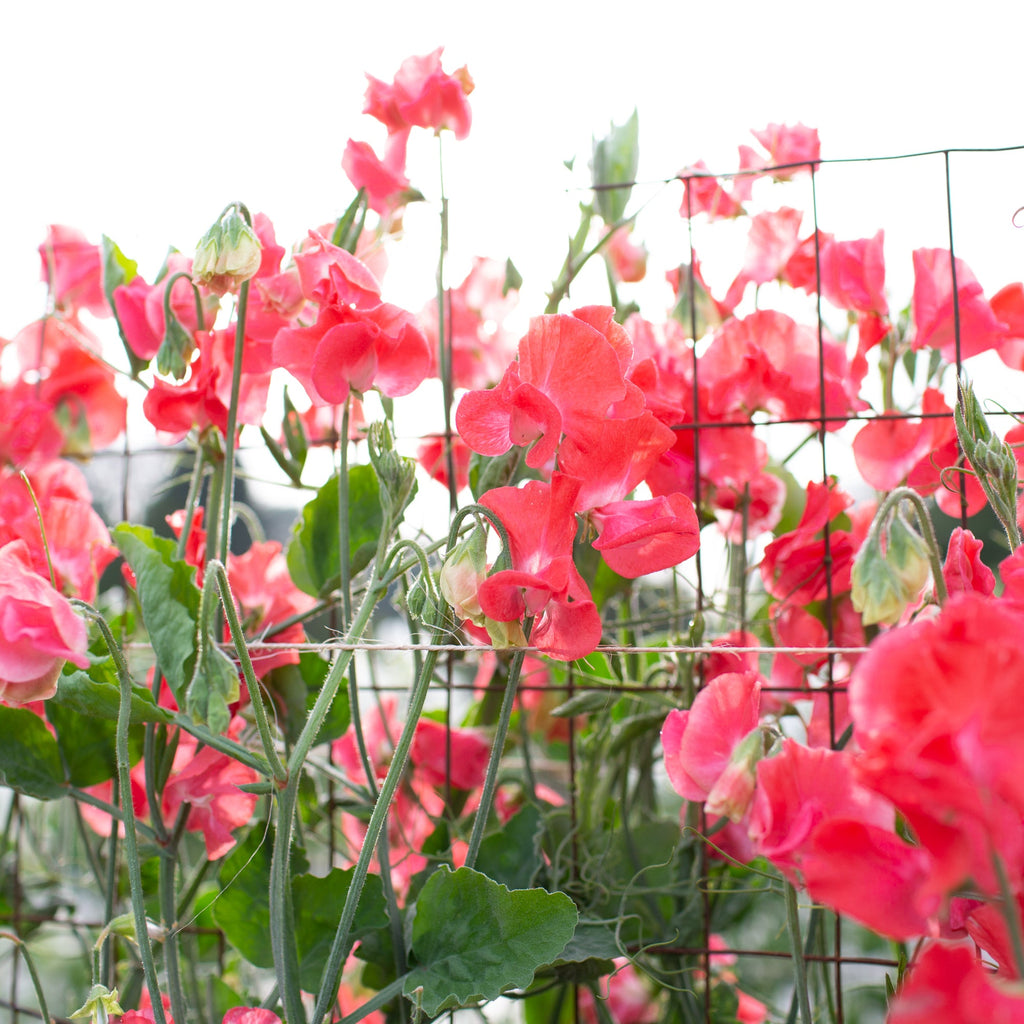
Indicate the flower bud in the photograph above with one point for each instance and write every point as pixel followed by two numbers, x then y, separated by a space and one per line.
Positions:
pixel 228 254
pixel 463 571
pixel 100 1005
pixel 731 795
pixel 884 583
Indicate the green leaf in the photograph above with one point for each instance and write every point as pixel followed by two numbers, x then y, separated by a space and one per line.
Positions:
pixel 615 161
pixel 89 745
pixel 313 552
pixel 242 910
pixel 29 758
pixel 169 599
pixel 119 270
pixel 318 903
pixel 213 687
pixel 474 938
pixel 512 855
pixel 591 940
pixel 92 693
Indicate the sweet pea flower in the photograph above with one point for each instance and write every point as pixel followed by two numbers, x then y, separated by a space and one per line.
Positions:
pixel 700 742
pixel 383 178
pixel 73 268
pixel 791 149
pixel 39 630
pixel 422 94
pixel 933 308
pixel 948 984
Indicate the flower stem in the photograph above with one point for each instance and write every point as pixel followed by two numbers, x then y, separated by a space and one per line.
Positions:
pixel 131 842
pixel 491 778
pixel 399 760
pixel 223 546
pixel 1011 913
pixel 797 950
pixel 216 570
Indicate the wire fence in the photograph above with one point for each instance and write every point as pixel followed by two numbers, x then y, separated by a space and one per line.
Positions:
pixel 45 896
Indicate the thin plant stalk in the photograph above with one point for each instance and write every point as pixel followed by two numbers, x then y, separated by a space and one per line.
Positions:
pixel 131 843
pixel 797 951
pixel 339 947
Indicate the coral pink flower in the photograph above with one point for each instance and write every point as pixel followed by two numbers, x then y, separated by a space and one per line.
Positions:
pixel 793 566
pixel 475 313
pixel 68 374
pixel 432 457
pixel 629 1000
pixel 963 569
pixel 822 828
pixel 768 361
pixel 73 267
pixel 706 194
pixel 626 259
pixel 78 540
pixel 640 537
pixel 939 708
pixel 203 399
pixel 932 307
pixel 208 782
pixel 699 742
pixel 543 581
pixel 771 242
pixel 265 594
pixel 39 630
pixel 250 1015
pixel 442 754
pixel 853 274
pixel 422 94
pixel 383 178
pixel 787 145
pixel 567 378
pixel 358 341
pixel 949 985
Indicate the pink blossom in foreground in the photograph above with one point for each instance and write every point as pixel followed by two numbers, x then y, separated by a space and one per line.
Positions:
pixel 949 985
pixel 39 630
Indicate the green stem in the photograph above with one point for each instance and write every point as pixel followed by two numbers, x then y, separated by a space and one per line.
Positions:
pixel 1009 908
pixel 340 946
pixel 40 998
pixel 282 931
pixel 216 570
pixel 491 778
pixel 224 544
pixel 165 885
pixel 889 503
pixel 131 842
pixel 797 950
pixel 382 998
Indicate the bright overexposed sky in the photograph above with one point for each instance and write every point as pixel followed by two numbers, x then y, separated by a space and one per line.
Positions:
pixel 141 120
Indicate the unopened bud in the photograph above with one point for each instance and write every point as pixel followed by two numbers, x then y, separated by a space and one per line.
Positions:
pixel 228 254
pixel 731 795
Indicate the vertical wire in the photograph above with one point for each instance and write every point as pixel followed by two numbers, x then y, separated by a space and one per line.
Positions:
pixel 827 558
pixel 956 327
pixel 691 286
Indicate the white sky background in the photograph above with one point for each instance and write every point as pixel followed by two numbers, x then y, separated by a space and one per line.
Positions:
pixel 141 121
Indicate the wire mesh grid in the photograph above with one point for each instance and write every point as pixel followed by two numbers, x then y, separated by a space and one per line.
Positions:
pixel 850 960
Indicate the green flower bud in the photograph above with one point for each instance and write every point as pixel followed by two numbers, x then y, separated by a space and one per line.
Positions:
pixel 100 1005
pixel 463 571
pixel 228 254
pixel 884 583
